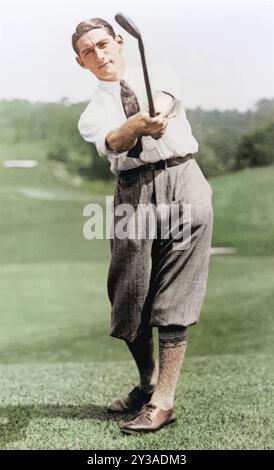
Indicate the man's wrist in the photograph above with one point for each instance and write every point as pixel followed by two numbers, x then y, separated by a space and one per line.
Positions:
pixel 131 128
pixel 122 139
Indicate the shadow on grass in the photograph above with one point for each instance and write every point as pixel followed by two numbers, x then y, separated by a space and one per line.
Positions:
pixel 14 420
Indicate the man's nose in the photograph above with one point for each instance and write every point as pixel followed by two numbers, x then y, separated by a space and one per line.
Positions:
pixel 100 54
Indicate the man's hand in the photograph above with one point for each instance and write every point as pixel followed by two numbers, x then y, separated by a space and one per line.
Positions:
pixel 143 124
pixel 158 134
pixel 125 137
pixel 156 126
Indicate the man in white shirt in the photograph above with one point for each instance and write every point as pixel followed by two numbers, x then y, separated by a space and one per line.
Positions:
pixel 177 139
pixel 149 282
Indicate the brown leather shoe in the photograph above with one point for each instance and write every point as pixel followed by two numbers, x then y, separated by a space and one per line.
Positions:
pixel 149 419
pixel 133 402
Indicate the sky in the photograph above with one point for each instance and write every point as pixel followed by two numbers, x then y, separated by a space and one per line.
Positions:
pixel 222 50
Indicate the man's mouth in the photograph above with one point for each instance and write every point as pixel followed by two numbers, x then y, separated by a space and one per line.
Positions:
pixel 103 65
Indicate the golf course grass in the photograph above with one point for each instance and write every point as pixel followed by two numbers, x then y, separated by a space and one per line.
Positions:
pixel 59 368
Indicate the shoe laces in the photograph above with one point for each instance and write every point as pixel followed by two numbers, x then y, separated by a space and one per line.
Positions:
pixel 146 411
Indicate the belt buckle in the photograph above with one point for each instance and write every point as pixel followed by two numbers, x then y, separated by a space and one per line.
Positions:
pixel 149 166
pixel 165 163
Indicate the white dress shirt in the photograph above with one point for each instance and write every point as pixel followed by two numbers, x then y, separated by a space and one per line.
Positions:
pixel 105 113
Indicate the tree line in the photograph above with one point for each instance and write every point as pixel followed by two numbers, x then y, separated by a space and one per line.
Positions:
pixel 228 140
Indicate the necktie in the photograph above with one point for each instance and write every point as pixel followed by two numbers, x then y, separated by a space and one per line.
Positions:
pixel 131 107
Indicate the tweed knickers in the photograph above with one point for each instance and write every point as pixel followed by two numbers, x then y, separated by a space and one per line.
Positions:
pixel 150 281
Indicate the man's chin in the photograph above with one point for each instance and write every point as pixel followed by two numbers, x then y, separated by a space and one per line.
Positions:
pixel 107 76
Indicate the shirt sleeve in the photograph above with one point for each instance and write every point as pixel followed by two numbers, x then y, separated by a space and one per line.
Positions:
pixel 175 103
pixel 165 79
pixel 91 128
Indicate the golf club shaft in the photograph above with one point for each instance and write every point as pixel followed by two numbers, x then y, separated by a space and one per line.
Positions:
pixel 146 77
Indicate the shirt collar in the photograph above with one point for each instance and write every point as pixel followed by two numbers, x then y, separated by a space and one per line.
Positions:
pixel 113 87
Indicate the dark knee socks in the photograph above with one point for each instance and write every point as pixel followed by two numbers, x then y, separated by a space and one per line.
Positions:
pixel 142 350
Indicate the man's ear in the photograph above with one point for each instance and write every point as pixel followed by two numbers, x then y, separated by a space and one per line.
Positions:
pixel 79 61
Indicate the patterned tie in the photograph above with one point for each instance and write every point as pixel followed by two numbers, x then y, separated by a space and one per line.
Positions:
pixel 131 107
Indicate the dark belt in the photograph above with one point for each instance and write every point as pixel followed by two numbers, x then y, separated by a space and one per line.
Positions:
pixel 160 165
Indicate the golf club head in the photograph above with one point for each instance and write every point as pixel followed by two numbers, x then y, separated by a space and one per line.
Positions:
pixel 128 25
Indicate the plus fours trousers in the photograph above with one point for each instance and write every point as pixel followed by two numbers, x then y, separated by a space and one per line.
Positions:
pixel 152 280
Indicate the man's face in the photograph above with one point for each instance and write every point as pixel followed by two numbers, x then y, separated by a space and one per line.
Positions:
pixel 101 54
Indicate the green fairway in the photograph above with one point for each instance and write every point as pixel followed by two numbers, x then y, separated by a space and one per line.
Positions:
pixel 223 402
pixel 59 367
pixel 60 311
pixel 243 203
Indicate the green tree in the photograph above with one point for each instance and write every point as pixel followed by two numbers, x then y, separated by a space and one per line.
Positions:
pixel 256 149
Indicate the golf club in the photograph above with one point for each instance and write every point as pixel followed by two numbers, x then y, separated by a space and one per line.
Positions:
pixel 132 29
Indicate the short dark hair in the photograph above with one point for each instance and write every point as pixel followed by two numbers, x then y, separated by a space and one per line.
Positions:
pixel 88 25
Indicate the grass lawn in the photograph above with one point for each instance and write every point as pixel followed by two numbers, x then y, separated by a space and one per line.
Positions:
pixel 59 368
pixel 223 402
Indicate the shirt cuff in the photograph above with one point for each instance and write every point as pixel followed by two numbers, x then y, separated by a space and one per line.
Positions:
pixel 176 104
